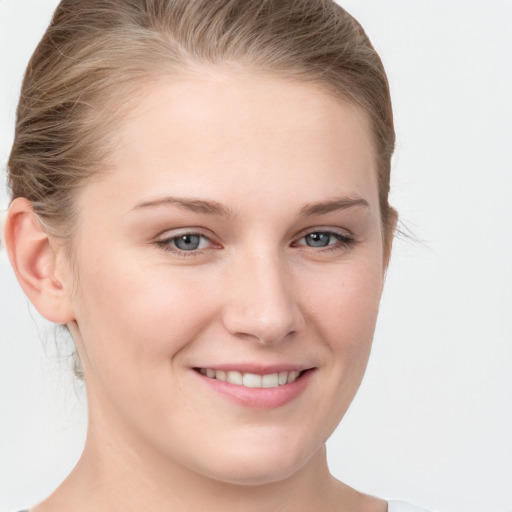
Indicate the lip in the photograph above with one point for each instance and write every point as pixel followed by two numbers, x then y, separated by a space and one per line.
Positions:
pixel 259 398
pixel 259 369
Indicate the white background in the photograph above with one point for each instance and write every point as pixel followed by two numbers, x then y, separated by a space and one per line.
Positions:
pixel 432 423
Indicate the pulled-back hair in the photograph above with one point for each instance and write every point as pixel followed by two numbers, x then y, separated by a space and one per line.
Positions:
pixel 96 54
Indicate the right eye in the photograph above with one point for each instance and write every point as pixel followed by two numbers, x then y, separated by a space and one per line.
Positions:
pixel 185 243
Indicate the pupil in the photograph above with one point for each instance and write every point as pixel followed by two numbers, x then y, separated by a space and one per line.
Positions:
pixel 187 242
pixel 318 239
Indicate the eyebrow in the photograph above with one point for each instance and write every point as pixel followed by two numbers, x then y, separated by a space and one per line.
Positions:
pixel 332 205
pixel 215 208
pixel 192 204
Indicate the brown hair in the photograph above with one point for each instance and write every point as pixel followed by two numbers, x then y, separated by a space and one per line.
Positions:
pixel 95 53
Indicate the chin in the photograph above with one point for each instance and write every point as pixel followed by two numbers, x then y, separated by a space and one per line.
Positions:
pixel 258 475
pixel 258 464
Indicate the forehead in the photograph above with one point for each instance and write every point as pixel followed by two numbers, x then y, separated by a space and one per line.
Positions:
pixel 222 129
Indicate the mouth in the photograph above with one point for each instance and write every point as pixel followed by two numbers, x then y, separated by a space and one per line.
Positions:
pixel 253 380
pixel 256 387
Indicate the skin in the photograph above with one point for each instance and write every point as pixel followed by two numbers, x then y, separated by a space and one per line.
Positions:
pixel 144 313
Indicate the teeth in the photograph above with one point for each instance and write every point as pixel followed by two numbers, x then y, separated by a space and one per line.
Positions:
pixel 235 378
pixel 293 376
pixel 270 381
pixel 219 374
pixel 252 380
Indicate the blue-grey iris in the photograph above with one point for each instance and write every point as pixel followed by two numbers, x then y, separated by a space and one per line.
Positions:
pixel 318 239
pixel 187 242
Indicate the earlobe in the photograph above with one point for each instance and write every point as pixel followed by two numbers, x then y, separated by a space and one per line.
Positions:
pixel 36 263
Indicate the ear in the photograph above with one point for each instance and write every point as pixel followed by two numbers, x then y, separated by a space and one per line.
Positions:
pixel 38 263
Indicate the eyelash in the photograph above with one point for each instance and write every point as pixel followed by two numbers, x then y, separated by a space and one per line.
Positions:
pixel 167 244
pixel 343 241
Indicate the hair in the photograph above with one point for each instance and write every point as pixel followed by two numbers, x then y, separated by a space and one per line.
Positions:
pixel 96 54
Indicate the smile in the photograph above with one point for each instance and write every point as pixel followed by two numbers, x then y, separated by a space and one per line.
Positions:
pixel 252 380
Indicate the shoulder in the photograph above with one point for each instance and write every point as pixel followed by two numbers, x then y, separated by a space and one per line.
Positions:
pixel 400 506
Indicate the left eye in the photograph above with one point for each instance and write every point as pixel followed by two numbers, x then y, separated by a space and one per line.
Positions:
pixel 323 239
pixel 186 242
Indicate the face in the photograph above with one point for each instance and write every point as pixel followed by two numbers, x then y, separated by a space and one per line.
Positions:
pixel 229 268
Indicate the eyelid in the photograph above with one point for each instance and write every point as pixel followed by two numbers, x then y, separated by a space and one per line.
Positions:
pixel 163 241
pixel 345 239
pixel 345 233
pixel 348 239
pixel 191 230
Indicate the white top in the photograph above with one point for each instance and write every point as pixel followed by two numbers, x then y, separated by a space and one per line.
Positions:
pixel 401 506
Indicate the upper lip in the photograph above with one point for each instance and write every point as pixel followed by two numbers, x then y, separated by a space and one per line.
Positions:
pixel 257 369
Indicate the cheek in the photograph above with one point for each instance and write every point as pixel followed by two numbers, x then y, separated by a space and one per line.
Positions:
pixel 133 316
pixel 345 305
pixel 345 314
pixel 135 323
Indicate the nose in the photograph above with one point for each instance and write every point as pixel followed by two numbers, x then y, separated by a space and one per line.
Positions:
pixel 262 300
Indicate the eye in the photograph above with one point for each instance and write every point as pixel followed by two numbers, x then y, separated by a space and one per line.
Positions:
pixel 185 242
pixel 189 242
pixel 318 239
pixel 325 239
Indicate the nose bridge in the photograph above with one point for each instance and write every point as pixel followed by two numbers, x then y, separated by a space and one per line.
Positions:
pixel 262 303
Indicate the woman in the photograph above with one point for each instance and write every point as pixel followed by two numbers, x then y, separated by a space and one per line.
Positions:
pixel 200 194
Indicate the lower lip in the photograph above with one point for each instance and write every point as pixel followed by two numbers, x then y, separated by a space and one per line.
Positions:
pixel 259 398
